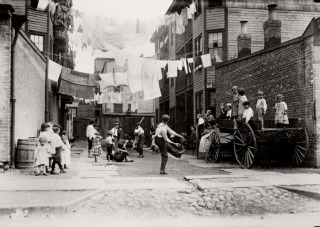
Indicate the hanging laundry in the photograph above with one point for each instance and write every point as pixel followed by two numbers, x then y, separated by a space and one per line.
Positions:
pixel 80 29
pixel 180 28
pixel 150 84
pixel 185 65
pixel 206 60
pixel 134 73
pixel 184 15
pixel 190 60
pixel 191 10
pixel 100 99
pixel 117 97
pixel 96 97
pixel 43 4
pixel 107 80
pixel 120 57
pixel 158 70
pixel 121 79
pixel 54 71
pixel 179 64
pixel 172 68
pixel 149 66
pixel 135 102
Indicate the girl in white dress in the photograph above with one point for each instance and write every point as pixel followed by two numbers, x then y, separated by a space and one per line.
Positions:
pixel 42 154
pixel 281 117
pixel 66 152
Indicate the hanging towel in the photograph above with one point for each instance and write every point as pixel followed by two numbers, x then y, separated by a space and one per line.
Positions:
pixel 54 71
pixel 107 80
pixel 96 97
pixel 100 99
pixel 206 60
pixel 121 79
pixel 179 64
pixel 134 73
pixel 150 84
pixel 172 68
pixel 120 57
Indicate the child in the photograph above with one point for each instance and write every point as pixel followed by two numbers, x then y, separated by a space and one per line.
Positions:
pixel 261 107
pixel 229 112
pixel 42 154
pixel 110 145
pixel 242 98
pixel 128 143
pixel 96 146
pixel 57 144
pixel 281 117
pixel 46 131
pixel 247 113
pixel 235 102
pixel 66 152
pixel 223 112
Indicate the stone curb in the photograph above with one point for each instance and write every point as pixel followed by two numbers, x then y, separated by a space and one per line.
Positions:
pixel 307 193
pixel 63 208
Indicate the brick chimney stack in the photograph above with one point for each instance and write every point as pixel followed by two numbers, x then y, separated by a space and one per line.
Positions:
pixel 244 41
pixel 272 28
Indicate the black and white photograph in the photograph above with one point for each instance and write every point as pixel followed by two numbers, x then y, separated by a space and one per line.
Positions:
pixel 159 113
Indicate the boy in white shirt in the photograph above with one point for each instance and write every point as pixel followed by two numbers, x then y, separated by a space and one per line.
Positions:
pixel 248 112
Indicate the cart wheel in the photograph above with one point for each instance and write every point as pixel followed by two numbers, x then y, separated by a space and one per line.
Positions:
pixel 214 151
pixel 300 143
pixel 245 145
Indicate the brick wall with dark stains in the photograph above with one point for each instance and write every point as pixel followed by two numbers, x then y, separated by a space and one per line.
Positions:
pixel 5 81
pixel 286 70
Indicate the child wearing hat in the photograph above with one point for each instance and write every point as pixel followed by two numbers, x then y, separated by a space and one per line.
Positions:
pixel 261 107
pixel 247 113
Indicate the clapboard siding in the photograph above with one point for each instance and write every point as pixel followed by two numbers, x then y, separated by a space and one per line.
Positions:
pixel 18 5
pixel 287 5
pixel 293 25
pixel 215 18
pixel 38 21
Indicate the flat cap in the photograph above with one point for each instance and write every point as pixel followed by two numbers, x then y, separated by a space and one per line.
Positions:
pixel 165 117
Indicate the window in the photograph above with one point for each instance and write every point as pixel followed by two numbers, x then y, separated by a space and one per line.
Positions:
pixel 216 46
pixel 97 112
pixel 199 106
pixel 198 7
pixel 214 3
pixel 198 52
pixel 38 40
pixel 118 107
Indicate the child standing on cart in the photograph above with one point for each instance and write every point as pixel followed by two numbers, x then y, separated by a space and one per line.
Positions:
pixel 261 107
pixel 281 117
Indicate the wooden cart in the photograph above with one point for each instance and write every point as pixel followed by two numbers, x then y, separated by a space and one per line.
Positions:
pixel 247 140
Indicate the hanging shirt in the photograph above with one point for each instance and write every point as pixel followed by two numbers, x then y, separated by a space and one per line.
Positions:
pixel 248 114
pixel 134 73
pixel 191 10
pixel 180 28
pixel 139 131
pixel 179 64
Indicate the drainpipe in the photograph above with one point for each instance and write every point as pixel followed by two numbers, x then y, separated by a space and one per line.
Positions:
pixel 46 112
pixel 17 22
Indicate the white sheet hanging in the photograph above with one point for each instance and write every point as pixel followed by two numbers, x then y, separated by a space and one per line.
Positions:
pixel 54 71
pixel 172 68
pixel 107 80
pixel 206 60
pixel 121 79
pixel 134 73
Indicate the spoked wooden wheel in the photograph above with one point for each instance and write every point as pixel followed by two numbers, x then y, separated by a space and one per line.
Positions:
pixel 214 151
pixel 245 146
pixel 300 143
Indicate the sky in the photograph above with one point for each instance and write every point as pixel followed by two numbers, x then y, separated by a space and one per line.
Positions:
pixel 123 8
pixel 131 9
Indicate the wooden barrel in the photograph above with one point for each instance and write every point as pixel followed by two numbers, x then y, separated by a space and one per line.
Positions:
pixel 25 153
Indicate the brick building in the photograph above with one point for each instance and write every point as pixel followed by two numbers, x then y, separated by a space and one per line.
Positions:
pixel 215 28
pixel 28 97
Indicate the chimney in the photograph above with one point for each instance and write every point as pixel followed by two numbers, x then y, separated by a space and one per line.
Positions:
pixel 244 41
pixel 272 28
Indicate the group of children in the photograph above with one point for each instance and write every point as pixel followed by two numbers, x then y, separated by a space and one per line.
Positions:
pixel 52 148
pixel 240 109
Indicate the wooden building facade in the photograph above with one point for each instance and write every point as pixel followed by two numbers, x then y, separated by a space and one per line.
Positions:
pixel 215 30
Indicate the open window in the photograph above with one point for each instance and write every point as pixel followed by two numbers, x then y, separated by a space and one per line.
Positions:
pixel 215 44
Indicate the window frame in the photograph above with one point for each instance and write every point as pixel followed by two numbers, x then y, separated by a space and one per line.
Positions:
pixel 199 102
pixel 37 44
pixel 198 8
pixel 198 43
pixel 223 44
